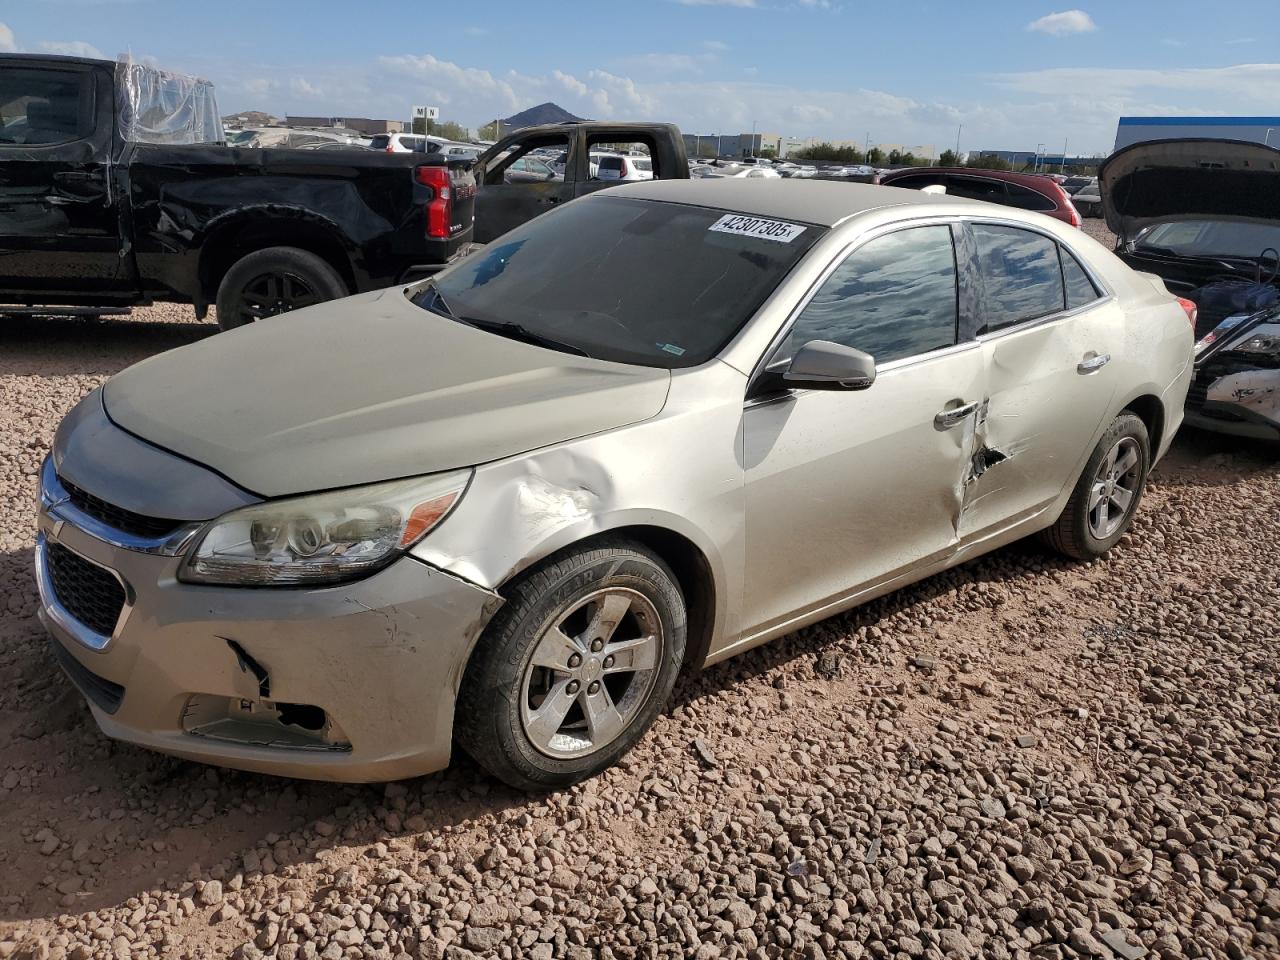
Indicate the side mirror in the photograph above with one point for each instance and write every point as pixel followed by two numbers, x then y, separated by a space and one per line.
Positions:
pixel 822 365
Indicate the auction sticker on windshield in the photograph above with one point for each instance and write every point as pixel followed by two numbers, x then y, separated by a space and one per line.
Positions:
pixel 775 230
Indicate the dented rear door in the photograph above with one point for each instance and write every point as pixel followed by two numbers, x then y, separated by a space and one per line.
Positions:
pixel 1050 379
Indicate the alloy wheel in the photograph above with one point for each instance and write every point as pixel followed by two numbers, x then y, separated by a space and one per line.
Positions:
pixel 1114 491
pixel 591 672
pixel 272 293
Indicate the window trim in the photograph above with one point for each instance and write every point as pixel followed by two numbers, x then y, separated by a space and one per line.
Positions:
pixel 780 336
pixel 1107 295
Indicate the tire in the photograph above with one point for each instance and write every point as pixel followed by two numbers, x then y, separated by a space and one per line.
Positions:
pixel 504 695
pixel 275 280
pixel 1075 534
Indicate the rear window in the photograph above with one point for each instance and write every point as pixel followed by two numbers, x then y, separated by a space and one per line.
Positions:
pixel 1021 275
pixel 45 106
pixel 380 142
pixel 655 284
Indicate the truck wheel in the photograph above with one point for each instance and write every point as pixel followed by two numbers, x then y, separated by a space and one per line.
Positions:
pixel 571 672
pixel 275 280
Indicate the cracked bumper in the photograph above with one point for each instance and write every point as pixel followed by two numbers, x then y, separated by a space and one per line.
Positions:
pixel 382 657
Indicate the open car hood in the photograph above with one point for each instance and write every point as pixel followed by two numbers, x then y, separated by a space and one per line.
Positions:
pixel 1167 180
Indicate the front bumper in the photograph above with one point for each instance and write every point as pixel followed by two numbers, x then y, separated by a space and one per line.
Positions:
pixel 1236 395
pixel 355 682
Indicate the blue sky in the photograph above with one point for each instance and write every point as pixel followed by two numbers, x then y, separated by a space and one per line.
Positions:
pixel 1014 74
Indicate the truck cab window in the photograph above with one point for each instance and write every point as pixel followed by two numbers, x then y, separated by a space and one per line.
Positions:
pixel 43 107
pixel 625 162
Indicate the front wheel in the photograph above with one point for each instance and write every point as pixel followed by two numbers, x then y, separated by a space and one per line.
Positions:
pixel 574 668
pixel 275 280
pixel 1106 496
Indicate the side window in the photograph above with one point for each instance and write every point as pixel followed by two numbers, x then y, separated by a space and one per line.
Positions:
pixel 1020 273
pixel 44 107
pixel 1027 199
pixel 620 159
pixel 522 165
pixel 976 188
pixel 894 297
pixel 1080 289
pixel 917 182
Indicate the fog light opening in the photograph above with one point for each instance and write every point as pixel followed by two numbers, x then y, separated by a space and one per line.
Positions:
pixel 262 723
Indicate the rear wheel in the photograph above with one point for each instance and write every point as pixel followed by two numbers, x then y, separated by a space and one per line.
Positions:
pixel 573 670
pixel 1107 495
pixel 275 280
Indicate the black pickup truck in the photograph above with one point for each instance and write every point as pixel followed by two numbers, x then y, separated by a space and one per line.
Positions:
pixel 117 189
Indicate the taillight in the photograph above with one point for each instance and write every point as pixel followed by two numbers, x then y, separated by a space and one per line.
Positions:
pixel 440 208
pixel 390 148
pixel 1191 309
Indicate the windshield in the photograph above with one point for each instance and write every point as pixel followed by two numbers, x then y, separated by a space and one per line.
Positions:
pixel 635 281
pixel 1203 238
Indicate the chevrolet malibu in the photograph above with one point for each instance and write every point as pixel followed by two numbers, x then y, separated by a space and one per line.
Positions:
pixel 645 432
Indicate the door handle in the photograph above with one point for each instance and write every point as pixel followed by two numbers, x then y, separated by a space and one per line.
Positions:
pixel 946 419
pixel 1096 362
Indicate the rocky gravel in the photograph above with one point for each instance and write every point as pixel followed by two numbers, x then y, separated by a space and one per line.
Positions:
pixel 1022 757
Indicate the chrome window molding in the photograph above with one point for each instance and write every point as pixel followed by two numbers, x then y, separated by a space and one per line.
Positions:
pixel 63 617
pixel 56 502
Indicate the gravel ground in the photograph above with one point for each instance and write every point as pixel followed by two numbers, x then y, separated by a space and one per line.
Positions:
pixel 1020 758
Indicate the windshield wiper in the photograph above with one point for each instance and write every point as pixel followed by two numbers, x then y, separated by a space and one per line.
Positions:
pixel 515 331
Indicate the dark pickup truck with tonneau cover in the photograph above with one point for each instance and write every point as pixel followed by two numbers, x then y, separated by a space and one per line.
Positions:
pixel 116 189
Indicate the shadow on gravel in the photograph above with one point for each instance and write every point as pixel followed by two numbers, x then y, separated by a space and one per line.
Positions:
pixel 78 346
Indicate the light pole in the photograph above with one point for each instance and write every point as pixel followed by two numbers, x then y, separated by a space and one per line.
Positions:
pixel 1063 164
pixel 958 129
pixel 1266 141
pixel 1035 168
pixel 753 138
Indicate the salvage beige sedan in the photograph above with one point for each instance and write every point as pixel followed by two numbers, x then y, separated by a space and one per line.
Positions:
pixel 642 433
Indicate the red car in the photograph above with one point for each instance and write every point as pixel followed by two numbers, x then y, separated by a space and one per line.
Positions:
pixel 1023 190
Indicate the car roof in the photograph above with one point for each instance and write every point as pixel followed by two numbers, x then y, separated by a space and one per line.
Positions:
pixel 1033 180
pixel 822 202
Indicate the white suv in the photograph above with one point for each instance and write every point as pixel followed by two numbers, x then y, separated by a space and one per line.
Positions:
pixel 626 168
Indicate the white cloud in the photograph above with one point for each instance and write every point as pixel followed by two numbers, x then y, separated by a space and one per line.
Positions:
pixel 1066 22
pixel 302 87
pixel 475 31
pixel 716 46
pixel 8 44
pixel 72 48
pixel 1240 40
pixel 717 3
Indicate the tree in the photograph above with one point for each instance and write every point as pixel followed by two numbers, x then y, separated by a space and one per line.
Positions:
pixel 768 153
pixel 490 131
pixel 449 129
pixel 988 161
pixel 948 159
pixel 875 156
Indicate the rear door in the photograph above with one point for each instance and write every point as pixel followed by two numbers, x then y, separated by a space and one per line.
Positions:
pixel 59 219
pixel 1048 331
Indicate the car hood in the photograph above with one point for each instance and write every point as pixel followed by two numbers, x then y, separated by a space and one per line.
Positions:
pixel 369 388
pixel 1168 180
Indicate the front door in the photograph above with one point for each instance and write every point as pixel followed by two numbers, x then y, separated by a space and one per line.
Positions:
pixel 1047 337
pixel 517 186
pixel 849 489
pixel 59 231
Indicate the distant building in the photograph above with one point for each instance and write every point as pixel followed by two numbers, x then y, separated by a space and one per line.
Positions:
pixel 1049 162
pixel 1140 129
pixel 359 124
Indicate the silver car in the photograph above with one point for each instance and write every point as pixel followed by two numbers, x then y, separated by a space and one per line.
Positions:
pixel 642 433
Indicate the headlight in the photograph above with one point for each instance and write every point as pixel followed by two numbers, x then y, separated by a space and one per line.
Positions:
pixel 1262 344
pixel 322 538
